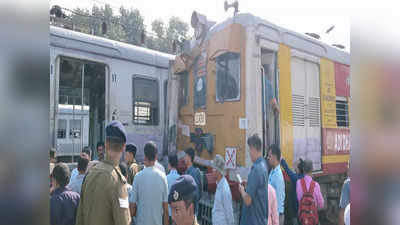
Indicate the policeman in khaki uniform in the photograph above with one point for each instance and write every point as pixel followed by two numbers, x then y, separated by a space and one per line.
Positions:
pixel 104 195
pixel 182 200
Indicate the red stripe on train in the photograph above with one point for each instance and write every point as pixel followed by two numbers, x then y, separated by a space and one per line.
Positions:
pixel 334 168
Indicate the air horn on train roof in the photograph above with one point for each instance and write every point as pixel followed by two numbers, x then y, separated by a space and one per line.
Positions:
pixel 235 5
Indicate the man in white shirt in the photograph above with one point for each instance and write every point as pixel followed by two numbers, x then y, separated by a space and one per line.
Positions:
pixel 150 192
pixel 159 166
pixel 222 212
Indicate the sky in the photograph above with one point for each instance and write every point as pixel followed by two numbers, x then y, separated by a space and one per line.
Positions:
pixel 313 16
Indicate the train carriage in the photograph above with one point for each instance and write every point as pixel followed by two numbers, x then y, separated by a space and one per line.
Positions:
pixel 236 78
pixel 227 78
pixel 99 80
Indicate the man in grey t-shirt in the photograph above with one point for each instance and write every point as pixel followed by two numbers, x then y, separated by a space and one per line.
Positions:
pixel 150 192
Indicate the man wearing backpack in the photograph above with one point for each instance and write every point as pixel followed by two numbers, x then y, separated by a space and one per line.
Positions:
pixel 309 197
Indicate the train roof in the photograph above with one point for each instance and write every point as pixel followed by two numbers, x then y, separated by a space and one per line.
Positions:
pixel 282 35
pixel 64 38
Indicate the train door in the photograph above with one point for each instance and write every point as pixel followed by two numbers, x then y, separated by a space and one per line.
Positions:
pixel 270 98
pixel 80 106
pixel 306 111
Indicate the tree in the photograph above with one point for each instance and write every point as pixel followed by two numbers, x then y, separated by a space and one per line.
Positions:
pixel 177 29
pixel 128 26
pixel 96 20
pixel 133 25
pixel 80 19
pixel 157 42
pixel 158 27
pixel 117 32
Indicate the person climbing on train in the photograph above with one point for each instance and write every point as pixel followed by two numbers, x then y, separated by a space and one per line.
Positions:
pixel 294 176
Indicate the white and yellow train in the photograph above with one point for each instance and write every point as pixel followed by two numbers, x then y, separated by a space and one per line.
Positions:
pixel 213 95
pixel 230 76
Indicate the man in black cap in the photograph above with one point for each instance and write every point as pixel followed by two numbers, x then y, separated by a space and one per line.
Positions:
pixel 104 195
pixel 181 199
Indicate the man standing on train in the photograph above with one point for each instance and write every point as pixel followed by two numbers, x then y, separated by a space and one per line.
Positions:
pixel 272 108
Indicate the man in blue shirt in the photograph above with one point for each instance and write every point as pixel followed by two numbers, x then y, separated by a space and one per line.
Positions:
pixel 63 202
pixel 271 103
pixel 276 179
pixel 255 196
pixel 85 153
pixel 75 183
pixel 172 176
pixel 271 107
pixel 194 172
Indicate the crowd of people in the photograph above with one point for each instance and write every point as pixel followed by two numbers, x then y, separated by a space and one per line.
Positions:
pixel 115 189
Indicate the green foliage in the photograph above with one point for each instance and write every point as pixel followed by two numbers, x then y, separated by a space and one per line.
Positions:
pixel 128 25
pixel 177 29
pixel 133 25
pixel 158 27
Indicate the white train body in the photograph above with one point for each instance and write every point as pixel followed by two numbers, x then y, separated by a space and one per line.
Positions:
pixel 108 71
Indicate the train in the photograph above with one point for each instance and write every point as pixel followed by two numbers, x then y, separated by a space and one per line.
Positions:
pixel 246 76
pixel 98 80
pixel 235 78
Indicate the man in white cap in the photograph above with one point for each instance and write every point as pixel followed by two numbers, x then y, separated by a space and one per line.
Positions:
pixel 222 212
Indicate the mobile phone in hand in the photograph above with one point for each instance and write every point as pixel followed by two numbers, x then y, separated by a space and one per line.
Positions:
pixel 239 178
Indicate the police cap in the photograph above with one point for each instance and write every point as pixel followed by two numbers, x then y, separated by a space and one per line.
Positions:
pixel 116 130
pixel 183 186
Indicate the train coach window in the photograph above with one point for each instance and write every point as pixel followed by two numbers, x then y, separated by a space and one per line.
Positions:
pixel 145 101
pixel 75 128
pixel 342 112
pixel 62 129
pixel 228 77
